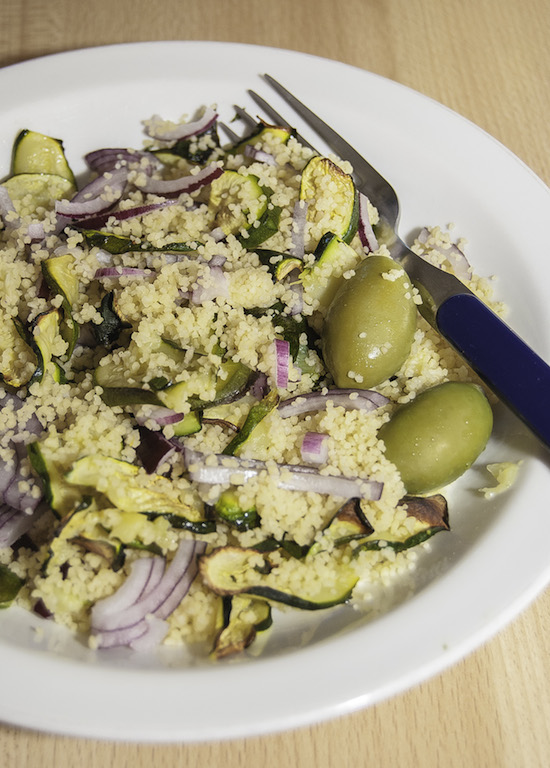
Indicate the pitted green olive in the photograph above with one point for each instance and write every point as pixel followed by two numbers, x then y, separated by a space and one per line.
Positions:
pixel 435 438
pixel 370 324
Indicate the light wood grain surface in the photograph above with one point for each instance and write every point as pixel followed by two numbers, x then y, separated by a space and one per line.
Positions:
pixel 490 61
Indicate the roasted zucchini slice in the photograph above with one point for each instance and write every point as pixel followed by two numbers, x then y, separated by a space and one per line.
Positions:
pixel 62 497
pixel 333 257
pixel 117 244
pixel 328 191
pixel 118 481
pixel 236 201
pixel 10 584
pixel 262 133
pixel 60 276
pixel 234 570
pixel 36 153
pixel 30 191
pixel 246 618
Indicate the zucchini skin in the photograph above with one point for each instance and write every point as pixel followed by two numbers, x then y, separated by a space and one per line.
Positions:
pixel 294 601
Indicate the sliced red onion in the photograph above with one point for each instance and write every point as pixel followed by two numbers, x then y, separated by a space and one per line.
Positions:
pixel 25 500
pixel 160 415
pixel 295 285
pixel 260 155
pixel 11 475
pixel 217 260
pixel 299 218
pixel 314 448
pixel 7 475
pixel 91 198
pixel 7 206
pixel 115 272
pixel 259 388
pixel 36 231
pixel 294 477
pixel 14 403
pixel 122 620
pixel 456 258
pixel 183 131
pixel 144 572
pixel 365 230
pixel 14 523
pixel 282 362
pixel 106 159
pixel 97 222
pixel 155 632
pixel 218 234
pixel 154 449
pixel 211 287
pixel 184 183
pixel 350 399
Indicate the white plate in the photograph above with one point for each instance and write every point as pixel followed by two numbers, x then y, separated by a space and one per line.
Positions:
pixel 475 578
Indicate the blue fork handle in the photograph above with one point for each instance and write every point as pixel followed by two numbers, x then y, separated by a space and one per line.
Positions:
pixel 515 373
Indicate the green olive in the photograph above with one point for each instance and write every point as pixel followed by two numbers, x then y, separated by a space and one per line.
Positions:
pixel 437 436
pixel 370 324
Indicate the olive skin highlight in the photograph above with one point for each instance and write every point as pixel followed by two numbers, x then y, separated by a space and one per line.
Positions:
pixel 370 324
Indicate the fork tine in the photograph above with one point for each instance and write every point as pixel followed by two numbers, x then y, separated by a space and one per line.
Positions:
pixel 231 135
pixel 245 117
pixel 279 119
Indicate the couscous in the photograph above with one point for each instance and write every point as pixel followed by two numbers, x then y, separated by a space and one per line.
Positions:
pixel 179 454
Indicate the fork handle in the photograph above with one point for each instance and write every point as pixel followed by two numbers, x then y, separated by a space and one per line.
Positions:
pixel 515 373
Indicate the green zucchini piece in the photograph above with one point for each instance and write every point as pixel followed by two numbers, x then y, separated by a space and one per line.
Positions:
pixel 246 618
pixel 189 425
pixel 113 553
pixel 107 532
pixel 267 225
pixel 117 480
pixel 233 570
pixel 127 395
pixel 431 516
pixel 287 545
pixel 113 376
pixel 45 329
pixel 286 266
pixel 30 191
pixel 229 386
pixel 261 133
pixel 270 258
pixel 183 523
pixel 256 414
pixel 228 509
pixel 333 257
pixel 320 175
pixel 10 584
pixel 17 343
pixel 63 281
pixel 347 524
pixel 61 497
pixel 108 332
pixel 84 528
pixel 236 201
pixel 117 244
pixel 36 153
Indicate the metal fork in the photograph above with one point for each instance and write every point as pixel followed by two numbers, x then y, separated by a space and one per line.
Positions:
pixel 507 365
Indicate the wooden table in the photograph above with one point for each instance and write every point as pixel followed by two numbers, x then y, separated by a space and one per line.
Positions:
pixel 490 61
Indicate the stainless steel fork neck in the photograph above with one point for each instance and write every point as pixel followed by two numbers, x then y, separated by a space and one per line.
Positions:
pixel 442 284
